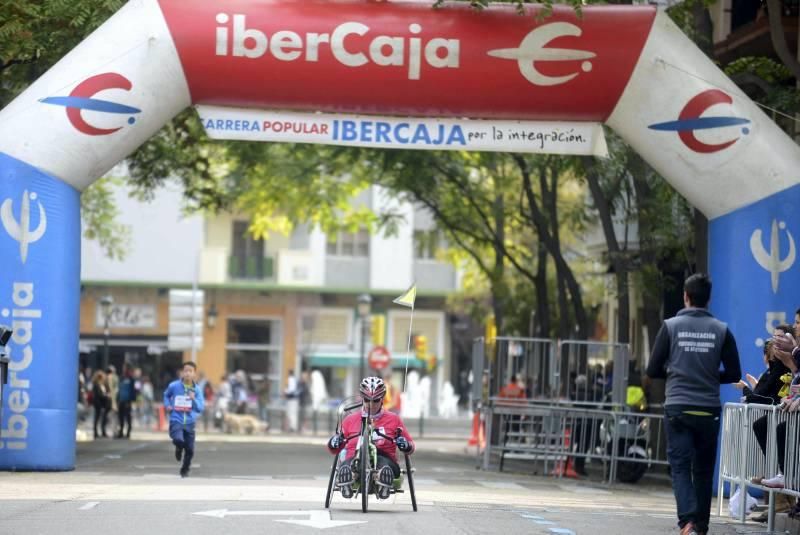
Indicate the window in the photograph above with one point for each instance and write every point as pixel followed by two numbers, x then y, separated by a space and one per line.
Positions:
pixel 426 243
pixel 255 347
pixel 350 244
pixel 247 259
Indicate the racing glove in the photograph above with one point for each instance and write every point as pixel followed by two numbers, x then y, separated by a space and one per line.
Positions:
pixel 403 444
pixel 335 442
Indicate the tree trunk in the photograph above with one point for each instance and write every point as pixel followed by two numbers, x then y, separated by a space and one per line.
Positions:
pixel 498 272
pixel 616 256
pixel 653 295
pixel 563 271
pixel 787 57
pixel 542 302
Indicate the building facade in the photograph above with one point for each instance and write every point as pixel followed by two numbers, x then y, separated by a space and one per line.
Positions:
pixel 269 306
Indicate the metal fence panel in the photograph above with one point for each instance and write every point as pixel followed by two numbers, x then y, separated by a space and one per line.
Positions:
pixel 479 368
pixel 593 372
pixel 530 360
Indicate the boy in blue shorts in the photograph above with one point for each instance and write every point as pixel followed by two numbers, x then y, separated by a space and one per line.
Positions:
pixel 183 399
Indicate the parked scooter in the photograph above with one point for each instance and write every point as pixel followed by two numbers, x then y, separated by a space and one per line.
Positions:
pixel 632 434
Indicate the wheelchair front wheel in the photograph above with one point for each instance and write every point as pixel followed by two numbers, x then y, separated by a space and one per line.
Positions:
pixel 410 475
pixel 331 482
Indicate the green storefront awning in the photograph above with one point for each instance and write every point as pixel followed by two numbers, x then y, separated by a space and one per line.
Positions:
pixel 353 360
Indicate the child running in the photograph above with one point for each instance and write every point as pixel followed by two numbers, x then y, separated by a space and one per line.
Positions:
pixel 183 399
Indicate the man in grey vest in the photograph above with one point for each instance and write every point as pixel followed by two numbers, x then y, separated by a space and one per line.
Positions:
pixel 696 353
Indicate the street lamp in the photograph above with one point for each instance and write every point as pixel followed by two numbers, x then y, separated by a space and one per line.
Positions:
pixel 212 316
pixel 106 303
pixel 363 308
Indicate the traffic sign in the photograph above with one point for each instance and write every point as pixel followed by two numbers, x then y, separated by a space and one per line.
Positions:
pixel 379 358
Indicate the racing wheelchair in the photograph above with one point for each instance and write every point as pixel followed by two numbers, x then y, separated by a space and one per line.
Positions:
pixel 366 457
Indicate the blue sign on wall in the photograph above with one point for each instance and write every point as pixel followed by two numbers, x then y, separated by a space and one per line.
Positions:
pixel 39 297
pixel 756 275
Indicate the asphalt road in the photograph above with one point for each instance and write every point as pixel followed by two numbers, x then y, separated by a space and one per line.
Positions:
pixel 277 484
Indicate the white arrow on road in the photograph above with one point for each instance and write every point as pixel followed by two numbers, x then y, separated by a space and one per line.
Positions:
pixel 316 519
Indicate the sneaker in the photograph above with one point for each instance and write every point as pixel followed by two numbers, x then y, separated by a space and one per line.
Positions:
pixel 689 529
pixel 178 453
pixel 774 482
pixel 345 481
pixel 385 481
pixel 184 472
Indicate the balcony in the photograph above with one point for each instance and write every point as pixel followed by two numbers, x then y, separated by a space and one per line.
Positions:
pixel 251 268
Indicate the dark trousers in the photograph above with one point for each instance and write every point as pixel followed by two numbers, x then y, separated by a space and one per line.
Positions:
pixel 100 417
pixel 382 461
pixel 124 415
pixel 761 428
pixel 692 452
pixel 183 437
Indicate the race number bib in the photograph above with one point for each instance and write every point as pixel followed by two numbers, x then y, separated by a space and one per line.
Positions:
pixel 183 403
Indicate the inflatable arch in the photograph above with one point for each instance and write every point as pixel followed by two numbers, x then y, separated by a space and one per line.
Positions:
pixel 629 67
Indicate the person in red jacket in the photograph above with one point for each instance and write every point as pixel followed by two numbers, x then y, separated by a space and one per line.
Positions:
pixel 372 390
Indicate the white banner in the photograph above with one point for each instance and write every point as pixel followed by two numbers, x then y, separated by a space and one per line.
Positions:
pixel 544 137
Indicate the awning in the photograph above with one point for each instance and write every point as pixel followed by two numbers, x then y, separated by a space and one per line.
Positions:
pixel 353 360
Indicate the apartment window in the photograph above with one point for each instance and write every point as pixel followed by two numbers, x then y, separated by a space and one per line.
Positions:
pixel 350 244
pixel 247 259
pixel 426 243
pixel 254 346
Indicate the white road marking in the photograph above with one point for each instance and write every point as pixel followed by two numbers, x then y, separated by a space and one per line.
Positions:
pixel 316 519
pixel 583 490
pixel 89 505
pixel 500 485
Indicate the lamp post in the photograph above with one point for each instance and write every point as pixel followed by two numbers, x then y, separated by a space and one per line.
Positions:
pixel 212 316
pixel 363 307
pixel 106 303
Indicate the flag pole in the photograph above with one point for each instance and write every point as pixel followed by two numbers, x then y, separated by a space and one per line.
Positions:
pixel 408 299
pixel 408 350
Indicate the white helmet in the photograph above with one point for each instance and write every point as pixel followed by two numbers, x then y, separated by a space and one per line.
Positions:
pixel 372 388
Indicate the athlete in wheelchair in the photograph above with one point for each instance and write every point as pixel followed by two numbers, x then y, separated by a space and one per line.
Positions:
pixel 370 438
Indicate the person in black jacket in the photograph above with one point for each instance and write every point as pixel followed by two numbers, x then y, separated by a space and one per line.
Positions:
pixel 696 353
pixel 100 401
pixel 764 391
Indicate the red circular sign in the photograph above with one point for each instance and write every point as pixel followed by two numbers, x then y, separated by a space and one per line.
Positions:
pixel 379 358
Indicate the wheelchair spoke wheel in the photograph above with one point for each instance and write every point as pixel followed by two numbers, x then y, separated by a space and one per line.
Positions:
pixel 366 470
pixel 410 475
pixel 331 482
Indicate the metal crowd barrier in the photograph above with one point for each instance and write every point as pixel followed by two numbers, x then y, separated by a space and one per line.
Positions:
pixel 555 435
pixel 593 373
pixel 742 459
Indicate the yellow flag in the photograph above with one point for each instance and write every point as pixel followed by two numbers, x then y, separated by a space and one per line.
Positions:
pixel 408 298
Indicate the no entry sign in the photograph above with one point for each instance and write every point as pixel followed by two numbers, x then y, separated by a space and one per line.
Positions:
pixel 379 358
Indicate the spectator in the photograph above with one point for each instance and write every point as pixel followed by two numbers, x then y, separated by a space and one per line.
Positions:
pixel 292 401
pixel 785 348
pixel 112 383
pixel 126 395
pixel 303 398
pixel 224 398
pixel 515 389
pixel 100 402
pixel 766 391
pixel 208 396
pixel 147 396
